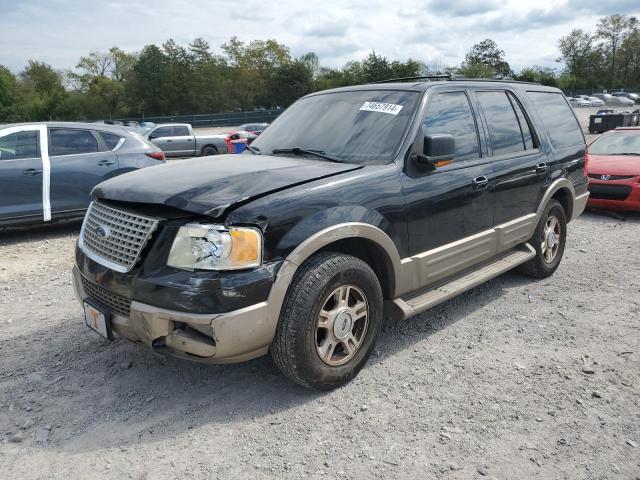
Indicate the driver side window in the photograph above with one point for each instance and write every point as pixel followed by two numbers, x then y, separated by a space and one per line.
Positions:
pixel 161 132
pixel 451 113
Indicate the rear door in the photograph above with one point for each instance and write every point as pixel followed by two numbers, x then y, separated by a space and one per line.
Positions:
pixel 448 206
pixel 21 174
pixel 521 167
pixel 183 140
pixel 79 161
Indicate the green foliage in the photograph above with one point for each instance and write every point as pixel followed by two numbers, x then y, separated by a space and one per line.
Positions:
pixel 171 79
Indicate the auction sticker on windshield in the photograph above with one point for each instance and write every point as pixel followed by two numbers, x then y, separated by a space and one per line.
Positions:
pixel 391 108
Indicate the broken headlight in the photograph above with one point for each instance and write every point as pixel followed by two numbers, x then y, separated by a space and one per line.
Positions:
pixel 215 247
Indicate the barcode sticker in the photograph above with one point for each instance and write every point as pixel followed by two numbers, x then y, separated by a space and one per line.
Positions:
pixel 391 108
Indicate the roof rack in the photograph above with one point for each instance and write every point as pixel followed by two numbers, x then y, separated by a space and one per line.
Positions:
pixel 447 77
pixel 420 77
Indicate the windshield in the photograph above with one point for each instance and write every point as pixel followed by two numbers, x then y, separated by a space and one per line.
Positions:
pixel 145 129
pixel 364 126
pixel 616 144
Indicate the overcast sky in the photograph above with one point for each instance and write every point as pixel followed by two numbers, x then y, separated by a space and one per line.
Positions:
pixel 60 31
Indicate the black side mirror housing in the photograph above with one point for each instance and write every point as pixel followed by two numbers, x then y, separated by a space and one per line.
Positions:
pixel 438 147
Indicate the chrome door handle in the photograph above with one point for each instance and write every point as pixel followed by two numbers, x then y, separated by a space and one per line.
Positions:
pixel 542 167
pixel 480 183
pixel 31 171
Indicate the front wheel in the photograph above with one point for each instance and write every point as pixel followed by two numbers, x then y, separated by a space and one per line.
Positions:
pixel 329 322
pixel 549 240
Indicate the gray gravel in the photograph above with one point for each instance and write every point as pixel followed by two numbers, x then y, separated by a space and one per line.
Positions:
pixel 515 379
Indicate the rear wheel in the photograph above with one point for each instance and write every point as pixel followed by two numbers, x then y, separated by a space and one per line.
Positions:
pixel 209 150
pixel 330 321
pixel 549 241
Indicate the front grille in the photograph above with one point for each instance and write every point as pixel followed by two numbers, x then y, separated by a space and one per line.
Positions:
pixel 114 303
pixel 609 192
pixel 113 237
pixel 611 177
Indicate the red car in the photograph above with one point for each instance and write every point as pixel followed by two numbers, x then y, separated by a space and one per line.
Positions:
pixel 614 170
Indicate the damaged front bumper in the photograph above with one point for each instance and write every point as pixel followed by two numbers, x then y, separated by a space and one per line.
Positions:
pixel 228 337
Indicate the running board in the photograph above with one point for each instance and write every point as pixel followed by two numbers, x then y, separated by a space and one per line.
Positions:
pixel 407 307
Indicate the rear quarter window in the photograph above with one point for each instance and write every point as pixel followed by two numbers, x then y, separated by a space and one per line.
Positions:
pixel 111 140
pixel 557 119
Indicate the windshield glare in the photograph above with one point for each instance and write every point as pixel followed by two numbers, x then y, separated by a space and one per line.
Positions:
pixel 616 143
pixel 364 126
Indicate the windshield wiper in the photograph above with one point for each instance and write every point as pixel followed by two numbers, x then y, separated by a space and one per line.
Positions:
pixel 254 150
pixel 303 151
pixel 625 153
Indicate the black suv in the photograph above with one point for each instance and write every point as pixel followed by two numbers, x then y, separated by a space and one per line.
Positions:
pixel 357 203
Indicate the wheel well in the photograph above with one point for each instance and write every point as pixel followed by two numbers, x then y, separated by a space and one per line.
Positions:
pixel 563 196
pixel 373 255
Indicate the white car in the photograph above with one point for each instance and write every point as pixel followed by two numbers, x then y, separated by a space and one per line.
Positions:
pixel 578 102
pixel 595 101
pixel 612 101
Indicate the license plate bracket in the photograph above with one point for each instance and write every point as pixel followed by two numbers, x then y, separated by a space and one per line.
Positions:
pixel 97 319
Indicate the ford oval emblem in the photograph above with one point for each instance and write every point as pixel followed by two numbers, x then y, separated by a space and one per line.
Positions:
pixel 103 231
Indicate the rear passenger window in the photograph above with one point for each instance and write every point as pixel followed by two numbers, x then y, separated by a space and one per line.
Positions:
pixel 180 131
pixel 527 132
pixel 19 145
pixel 111 140
pixel 504 128
pixel 558 119
pixel 71 141
pixel 451 113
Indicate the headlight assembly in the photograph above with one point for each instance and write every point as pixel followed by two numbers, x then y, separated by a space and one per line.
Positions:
pixel 215 247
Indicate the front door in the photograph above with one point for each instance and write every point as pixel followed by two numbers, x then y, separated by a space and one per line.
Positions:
pixel 21 174
pixel 79 161
pixel 450 205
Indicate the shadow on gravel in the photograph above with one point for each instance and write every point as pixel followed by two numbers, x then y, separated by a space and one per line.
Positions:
pixel 13 235
pixel 599 215
pixel 96 394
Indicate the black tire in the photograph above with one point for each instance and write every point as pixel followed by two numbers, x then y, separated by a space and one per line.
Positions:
pixel 539 266
pixel 295 348
pixel 209 150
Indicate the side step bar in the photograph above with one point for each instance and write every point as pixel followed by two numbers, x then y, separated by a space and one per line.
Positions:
pixel 407 307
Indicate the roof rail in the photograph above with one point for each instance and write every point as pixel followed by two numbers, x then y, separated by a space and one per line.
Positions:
pixel 420 77
pixel 505 80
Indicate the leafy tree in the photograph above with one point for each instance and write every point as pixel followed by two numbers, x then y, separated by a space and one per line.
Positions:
pixel 8 87
pixel 538 74
pixel 289 82
pixel 483 59
pixel 611 30
pixel 40 91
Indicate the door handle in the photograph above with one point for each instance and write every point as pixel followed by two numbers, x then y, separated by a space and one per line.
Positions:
pixel 169 141
pixel 189 140
pixel 31 171
pixel 106 163
pixel 480 183
pixel 542 167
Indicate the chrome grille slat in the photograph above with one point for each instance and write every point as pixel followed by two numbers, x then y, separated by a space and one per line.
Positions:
pixel 115 303
pixel 129 234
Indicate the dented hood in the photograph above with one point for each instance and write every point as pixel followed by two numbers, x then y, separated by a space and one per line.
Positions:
pixel 211 185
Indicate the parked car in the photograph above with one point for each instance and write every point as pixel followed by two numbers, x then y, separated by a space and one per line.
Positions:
pixel 611 101
pixel 595 101
pixel 631 96
pixel 614 170
pixel 355 201
pixel 256 128
pixel 178 140
pixel 47 170
pixel 578 102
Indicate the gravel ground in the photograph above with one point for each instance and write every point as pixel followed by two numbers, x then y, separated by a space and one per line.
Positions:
pixel 515 379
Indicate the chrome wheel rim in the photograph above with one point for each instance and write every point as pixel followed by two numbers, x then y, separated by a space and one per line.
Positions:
pixel 551 236
pixel 342 325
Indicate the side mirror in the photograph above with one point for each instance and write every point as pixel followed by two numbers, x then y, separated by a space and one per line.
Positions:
pixel 152 136
pixel 438 147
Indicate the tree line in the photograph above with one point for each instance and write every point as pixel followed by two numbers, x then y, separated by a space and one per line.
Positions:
pixel 171 79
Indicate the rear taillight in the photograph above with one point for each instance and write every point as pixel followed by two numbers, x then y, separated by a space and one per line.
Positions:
pixel 586 162
pixel 157 156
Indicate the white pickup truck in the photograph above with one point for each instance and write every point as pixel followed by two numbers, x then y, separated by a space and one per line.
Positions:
pixel 178 140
